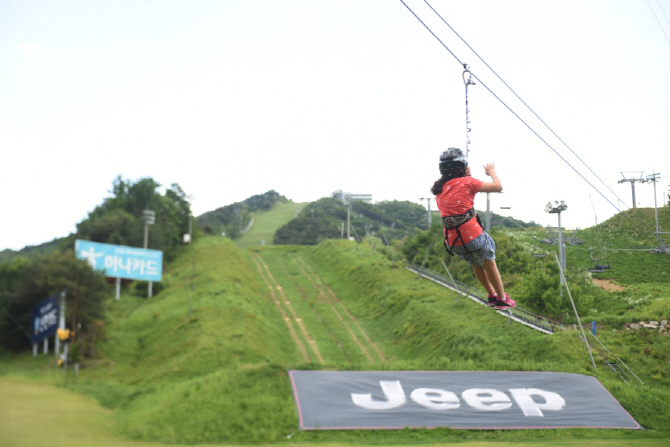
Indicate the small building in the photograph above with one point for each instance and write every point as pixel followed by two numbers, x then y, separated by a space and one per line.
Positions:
pixel 346 197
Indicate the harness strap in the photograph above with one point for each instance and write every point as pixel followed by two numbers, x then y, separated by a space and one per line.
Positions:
pixel 454 222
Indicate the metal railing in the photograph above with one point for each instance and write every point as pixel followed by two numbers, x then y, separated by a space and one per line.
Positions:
pixel 530 319
pixel 615 366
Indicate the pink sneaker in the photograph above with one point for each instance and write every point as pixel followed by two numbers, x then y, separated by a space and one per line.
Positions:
pixel 505 304
pixel 492 300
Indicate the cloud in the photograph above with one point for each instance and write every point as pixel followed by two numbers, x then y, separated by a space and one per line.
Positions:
pixel 30 48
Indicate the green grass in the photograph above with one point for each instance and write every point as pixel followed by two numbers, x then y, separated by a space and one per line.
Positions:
pixel 645 276
pixel 35 414
pixel 267 222
pixel 43 414
pixel 207 363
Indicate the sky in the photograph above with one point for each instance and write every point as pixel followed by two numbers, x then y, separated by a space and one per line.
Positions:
pixel 233 98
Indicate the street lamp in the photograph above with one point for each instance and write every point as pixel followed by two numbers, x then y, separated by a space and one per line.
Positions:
pixel 149 219
pixel 557 208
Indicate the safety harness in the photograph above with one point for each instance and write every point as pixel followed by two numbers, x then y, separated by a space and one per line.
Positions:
pixel 454 222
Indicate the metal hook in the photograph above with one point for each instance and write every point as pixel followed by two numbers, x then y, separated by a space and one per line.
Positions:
pixel 469 81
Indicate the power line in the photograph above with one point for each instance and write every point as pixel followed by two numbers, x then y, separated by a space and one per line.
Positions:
pixel 514 113
pixel 658 21
pixel 431 32
pixel 533 112
pixel 663 11
pixel 554 150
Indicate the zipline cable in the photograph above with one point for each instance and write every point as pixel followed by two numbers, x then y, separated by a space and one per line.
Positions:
pixel 519 118
pixel 658 21
pixel 530 109
pixel 663 11
pixel 559 155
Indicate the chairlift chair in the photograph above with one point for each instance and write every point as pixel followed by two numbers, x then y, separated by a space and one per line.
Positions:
pixel 534 253
pixel 598 268
pixel 574 240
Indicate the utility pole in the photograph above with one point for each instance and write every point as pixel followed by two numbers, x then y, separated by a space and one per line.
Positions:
pixel 653 178
pixel 557 208
pixel 632 181
pixel 61 321
pixel 488 212
pixel 190 226
pixel 430 214
pixel 149 219
pixel 348 220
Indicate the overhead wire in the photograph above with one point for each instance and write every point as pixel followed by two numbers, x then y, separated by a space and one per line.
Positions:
pixel 663 11
pixel 514 113
pixel 658 21
pixel 531 110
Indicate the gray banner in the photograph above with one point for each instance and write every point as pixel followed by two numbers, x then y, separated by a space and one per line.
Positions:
pixel 456 399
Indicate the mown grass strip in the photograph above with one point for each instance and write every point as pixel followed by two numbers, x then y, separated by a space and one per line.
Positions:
pixel 318 316
pixel 346 311
pixel 294 335
pixel 352 334
pixel 315 327
pixel 310 341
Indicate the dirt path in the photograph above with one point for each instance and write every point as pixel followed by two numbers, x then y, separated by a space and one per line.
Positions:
pixel 287 303
pixel 316 313
pixel 331 299
pixel 294 335
pixel 351 317
pixel 608 285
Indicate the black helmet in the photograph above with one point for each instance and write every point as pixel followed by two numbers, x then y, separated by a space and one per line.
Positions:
pixel 453 163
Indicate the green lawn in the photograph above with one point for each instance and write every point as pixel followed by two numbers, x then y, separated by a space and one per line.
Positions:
pixel 208 363
pixel 267 222
pixel 35 414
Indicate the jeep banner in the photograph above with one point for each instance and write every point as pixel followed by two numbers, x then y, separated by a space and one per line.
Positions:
pixel 456 399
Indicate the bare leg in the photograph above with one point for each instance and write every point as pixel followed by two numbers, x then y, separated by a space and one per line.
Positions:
pixel 480 273
pixel 493 276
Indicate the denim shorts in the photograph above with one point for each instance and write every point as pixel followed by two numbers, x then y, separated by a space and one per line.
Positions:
pixel 477 250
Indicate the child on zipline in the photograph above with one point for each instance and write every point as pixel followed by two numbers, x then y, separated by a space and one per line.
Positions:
pixel 463 232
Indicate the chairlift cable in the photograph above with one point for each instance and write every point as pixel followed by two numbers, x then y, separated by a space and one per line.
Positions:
pixel 518 117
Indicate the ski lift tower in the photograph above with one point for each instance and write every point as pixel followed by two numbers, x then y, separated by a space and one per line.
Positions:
pixel 662 248
pixel 632 178
pixel 557 208
pixel 430 213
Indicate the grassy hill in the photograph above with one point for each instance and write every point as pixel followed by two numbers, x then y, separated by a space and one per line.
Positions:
pixel 172 365
pixel 206 360
pixel 266 223
pixel 32 251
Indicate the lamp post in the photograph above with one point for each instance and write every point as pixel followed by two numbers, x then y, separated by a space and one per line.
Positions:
pixel 557 208
pixel 149 219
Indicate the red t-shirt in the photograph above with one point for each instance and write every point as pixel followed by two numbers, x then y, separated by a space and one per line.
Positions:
pixel 457 197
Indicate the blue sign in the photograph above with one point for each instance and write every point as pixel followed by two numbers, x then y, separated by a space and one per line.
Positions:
pixel 119 261
pixel 45 318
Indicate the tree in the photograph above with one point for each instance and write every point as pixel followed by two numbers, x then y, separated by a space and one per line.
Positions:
pixel 25 285
pixel 118 220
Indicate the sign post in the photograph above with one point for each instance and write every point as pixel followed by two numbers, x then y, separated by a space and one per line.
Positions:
pixel 45 318
pixel 120 261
